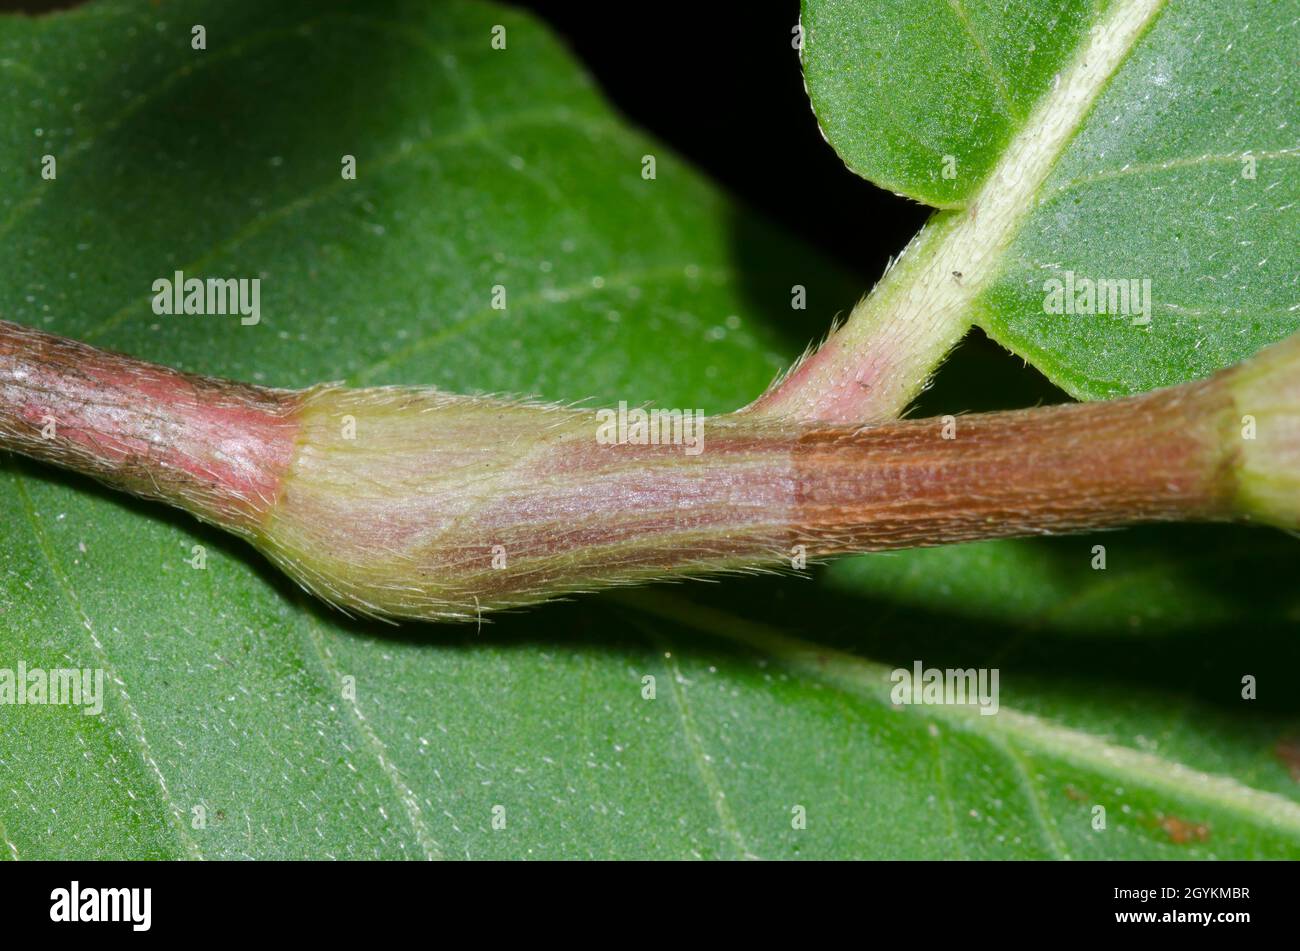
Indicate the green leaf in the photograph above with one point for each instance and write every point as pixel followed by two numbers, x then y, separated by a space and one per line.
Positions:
pixel 231 727
pixel 901 84
pixel 1127 141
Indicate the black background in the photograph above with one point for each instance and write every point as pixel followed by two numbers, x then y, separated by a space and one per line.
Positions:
pixel 721 83
pixel 656 905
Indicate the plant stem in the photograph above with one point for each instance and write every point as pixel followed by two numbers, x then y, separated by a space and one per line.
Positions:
pixel 879 360
pixel 411 503
pixel 209 446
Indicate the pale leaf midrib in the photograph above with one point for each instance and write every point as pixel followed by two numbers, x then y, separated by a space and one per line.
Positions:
pixel 895 337
pixel 871 680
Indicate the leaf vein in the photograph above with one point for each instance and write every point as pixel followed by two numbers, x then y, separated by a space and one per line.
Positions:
pixel 174 811
pixel 405 794
pixel 994 74
pixel 695 743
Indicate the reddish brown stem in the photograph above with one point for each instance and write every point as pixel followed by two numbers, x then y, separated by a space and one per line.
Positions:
pixel 1156 457
pixel 213 447
pixel 410 503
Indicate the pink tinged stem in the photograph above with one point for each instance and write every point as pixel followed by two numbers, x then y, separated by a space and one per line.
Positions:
pixel 881 357
pixel 410 503
pixel 215 448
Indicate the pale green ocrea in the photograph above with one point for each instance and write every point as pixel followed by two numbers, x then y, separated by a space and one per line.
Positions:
pixel 1266 391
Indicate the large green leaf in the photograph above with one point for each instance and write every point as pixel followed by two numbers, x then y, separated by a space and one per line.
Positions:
pixel 1175 164
pixel 228 688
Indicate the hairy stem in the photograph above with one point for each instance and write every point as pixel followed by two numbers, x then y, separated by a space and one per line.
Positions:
pixel 879 359
pixel 877 362
pixel 410 503
pixel 212 447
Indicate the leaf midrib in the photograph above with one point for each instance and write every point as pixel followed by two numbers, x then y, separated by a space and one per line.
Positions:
pixel 928 299
pixel 871 680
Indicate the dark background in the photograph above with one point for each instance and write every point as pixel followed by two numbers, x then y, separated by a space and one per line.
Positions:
pixel 721 83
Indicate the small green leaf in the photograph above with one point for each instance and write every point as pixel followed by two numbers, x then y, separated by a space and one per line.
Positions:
pixel 1146 145
pixel 922 96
